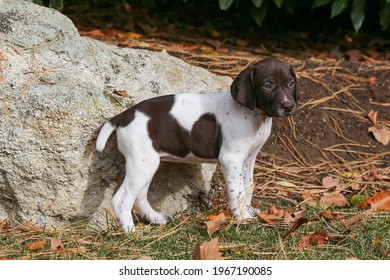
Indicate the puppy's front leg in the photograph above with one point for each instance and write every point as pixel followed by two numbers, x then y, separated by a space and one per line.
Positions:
pixel 231 166
pixel 247 171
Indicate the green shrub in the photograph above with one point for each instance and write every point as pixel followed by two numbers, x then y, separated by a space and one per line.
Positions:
pixel 356 8
pixel 55 4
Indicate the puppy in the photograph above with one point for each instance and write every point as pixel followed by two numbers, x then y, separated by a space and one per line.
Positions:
pixel 229 128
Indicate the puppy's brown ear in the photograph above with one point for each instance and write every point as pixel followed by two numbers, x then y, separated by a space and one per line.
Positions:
pixel 297 93
pixel 242 88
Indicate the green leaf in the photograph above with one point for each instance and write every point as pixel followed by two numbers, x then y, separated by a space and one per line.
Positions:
pixel 225 4
pixel 279 3
pixel 358 198
pixel 258 14
pixel 358 14
pixel 257 3
pixel 385 16
pixel 57 4
pixel 319 3
pixel 338 7
pixel 39 2
pixel 289 6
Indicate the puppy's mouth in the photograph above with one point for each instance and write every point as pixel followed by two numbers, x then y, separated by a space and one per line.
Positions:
pixel 282 112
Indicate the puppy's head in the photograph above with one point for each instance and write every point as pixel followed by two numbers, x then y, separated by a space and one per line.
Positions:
pixel 269 85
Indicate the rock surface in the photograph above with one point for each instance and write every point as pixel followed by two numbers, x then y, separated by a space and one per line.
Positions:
pixel 56 91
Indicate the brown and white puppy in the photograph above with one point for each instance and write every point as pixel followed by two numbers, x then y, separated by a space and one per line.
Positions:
pixel 229 128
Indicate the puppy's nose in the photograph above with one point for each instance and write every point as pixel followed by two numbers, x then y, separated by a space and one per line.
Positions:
pixel 288 106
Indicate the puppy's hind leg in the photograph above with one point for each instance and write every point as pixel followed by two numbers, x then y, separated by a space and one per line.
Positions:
pixel 139 174
pixel 122 203
pixel 142 205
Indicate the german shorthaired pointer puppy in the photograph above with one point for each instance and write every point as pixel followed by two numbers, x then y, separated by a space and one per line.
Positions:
pixel 229 128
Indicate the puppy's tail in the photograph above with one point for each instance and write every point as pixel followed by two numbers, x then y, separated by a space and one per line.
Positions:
pixel 104 133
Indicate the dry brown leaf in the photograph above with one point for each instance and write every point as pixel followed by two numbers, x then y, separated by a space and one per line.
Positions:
pixel 131 35
pixel 372 174
pixel 372 116
pixel 122 93
pixel 333 199
pixel 80 250
pixel 309 199
pixel 293 217
pixel 327 214
pixel 329 181
pixel 274 213
pixel 36 245
pixel 56 245
pixel 215 224
pixel 297 224
pixel 207 251
pixel 94 33
pixel 4 226
pixel 354 55
pixel 381 135
pixel 241 43
pixel 314 239
pixel 228 214
pixel 372 81
pixel 28 226
pixel 355 186
pixel 353 220
pixel 379 202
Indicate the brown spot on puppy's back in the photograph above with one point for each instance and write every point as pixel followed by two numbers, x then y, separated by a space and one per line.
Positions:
pixel 206 137
pixel 155 107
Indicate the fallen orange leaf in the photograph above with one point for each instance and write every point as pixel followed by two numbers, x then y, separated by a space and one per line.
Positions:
pixel 215 224
pixel 372 81
pixel 379 202
pixel 314 239
pixel 207 251
pixel 36 245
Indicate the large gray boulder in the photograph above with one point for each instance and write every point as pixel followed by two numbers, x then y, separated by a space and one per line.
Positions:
pixel 56 91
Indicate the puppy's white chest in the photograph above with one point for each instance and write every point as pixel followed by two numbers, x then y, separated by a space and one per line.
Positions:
pixel 263 133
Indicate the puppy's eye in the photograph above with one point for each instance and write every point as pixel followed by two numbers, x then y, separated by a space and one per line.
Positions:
pixel 291 84
pixel 268 86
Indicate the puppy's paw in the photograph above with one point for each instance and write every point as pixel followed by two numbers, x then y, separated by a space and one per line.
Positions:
pixel 248 214
pixel 161 218
pixel 129 228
